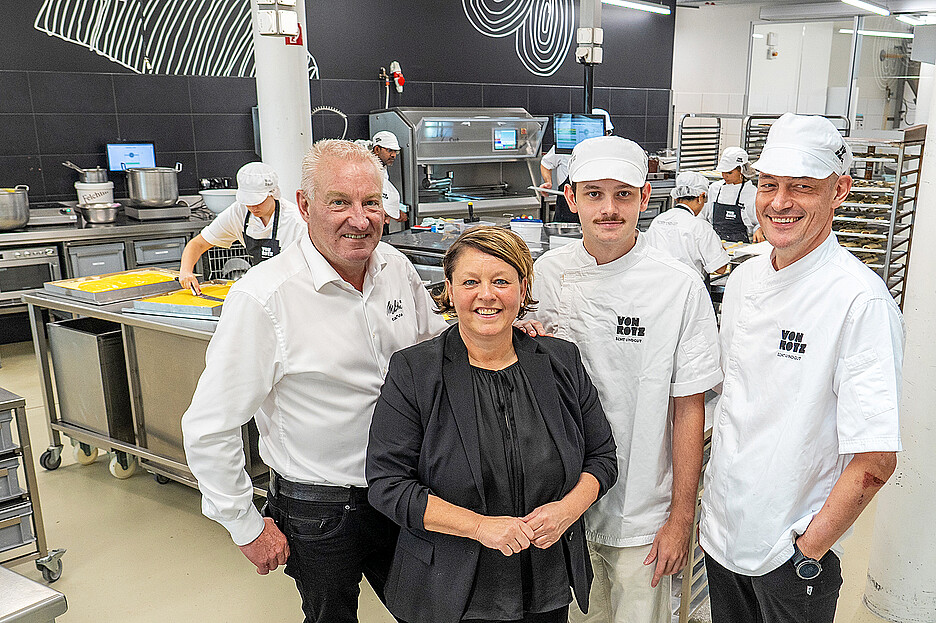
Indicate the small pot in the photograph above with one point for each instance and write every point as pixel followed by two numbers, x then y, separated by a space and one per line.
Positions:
pixel 99 212
pixel 154 187
pixel 97 175
pixel 14 207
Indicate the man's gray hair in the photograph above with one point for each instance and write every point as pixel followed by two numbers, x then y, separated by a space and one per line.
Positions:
pixel 329 149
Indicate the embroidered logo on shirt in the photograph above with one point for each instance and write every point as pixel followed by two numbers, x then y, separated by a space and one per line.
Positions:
pixel 395 309
pixel 629 329
pixel 791 342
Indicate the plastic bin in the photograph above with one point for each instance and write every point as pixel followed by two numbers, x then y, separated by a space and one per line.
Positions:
pixel 91 376
pixel 9 484
pixel 16 526
pixel 6 432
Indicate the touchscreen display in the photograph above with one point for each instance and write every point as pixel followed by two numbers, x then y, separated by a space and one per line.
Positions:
pixel 122 156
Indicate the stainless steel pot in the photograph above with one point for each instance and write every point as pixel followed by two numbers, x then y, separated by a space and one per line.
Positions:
pixel 97 175
pixel 154 187
pixel 14 207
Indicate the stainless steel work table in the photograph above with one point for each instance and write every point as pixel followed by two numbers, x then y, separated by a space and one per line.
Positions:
pixel 164 359
pixel 123 227
pixel 25 601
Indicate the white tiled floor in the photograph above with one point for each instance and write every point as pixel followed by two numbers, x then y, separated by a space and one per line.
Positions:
pixel 142 552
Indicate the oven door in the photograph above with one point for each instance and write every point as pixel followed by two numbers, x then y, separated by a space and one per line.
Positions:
pixel 22 276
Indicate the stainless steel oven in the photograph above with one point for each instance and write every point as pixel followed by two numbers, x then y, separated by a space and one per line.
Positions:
pixel 24 270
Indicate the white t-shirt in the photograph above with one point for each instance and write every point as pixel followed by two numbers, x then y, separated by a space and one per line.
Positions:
pixel 646 330
pixel 811 356
pixel 689 239
pixel 305 354
pixel 559 163
pixel 729 194
pixel 228 226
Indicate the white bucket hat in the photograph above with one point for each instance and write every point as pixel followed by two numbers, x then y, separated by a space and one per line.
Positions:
pixel 255 182
pixel 689 184
pixel 609 157
pixel 731 159
pixel 804 146
pixel 387 140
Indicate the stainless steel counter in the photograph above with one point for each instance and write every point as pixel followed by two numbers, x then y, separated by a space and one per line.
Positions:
pixel 123 227
pixel 25 601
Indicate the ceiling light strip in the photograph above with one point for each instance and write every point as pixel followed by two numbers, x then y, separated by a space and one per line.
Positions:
pixel 868 6
pixel 650 7
pixel 877 33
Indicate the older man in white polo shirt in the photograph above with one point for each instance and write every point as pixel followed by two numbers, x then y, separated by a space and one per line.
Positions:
pixel 646 329
pixel 806 430
pixel 302 348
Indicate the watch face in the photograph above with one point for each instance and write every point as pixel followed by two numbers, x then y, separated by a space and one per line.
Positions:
pixel 808 570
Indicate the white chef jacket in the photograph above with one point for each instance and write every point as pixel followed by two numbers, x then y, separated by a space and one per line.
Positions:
pixel 391 196
pixel 729 194
pixel 646 330
pixel 812 356
pixel 559 163
pixel 305 354
pixel 689 239
pixel 228 226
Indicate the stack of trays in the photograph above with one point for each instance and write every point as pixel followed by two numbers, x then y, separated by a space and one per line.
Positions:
pixel 115 287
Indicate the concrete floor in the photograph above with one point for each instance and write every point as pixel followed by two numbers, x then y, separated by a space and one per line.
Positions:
pixel 139 551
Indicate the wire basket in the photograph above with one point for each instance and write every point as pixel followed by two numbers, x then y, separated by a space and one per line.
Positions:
pixel 229 263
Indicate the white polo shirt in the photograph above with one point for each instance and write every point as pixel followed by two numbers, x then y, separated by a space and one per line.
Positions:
pixel 305 354
pixel 646 329
pixel 811 356
pixel 228 226
pixel 687 238
pixel 728 193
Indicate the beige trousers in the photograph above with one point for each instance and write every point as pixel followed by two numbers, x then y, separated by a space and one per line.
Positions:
pixel 621 592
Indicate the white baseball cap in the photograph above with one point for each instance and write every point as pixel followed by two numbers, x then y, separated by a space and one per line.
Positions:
pixel 601 111
pixel 731 159
pixel 804 146
pixel 387 140
pixel 689 184
pixel 609 157
pixel 255 182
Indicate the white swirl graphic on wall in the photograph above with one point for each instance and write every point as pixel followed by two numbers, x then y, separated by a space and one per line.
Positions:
pixel 195 38
pixel 543 29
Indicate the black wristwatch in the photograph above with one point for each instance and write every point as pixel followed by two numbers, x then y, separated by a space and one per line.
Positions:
pixel 806 568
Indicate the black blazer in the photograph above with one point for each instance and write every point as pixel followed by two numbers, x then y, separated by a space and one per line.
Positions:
pixel 424 438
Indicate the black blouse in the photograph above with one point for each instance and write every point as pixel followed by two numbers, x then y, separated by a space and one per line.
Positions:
pixel 522 470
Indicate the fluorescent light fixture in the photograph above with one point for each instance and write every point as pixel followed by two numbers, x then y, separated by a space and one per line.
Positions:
pixel 640 5
pixel 877 33
pixel 868 6
pixel 757 35
pixel 910 19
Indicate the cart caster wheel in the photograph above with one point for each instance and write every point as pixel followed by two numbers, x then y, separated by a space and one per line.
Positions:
pixel 49 461
pixel 85 454
pixel 163 480
pixel 119 471
pixel 51 575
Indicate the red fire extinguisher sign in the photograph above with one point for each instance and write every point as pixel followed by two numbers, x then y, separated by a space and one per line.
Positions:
pixel 297 40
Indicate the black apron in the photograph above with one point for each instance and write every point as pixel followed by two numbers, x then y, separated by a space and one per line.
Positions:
pixel 260 249
pixel 727 221
pixel 563 213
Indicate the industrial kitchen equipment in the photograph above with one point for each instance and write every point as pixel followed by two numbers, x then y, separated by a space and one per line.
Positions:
pixel 450 156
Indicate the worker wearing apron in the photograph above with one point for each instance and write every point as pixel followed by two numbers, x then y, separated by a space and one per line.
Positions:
pixel 260 249
pixel 730 208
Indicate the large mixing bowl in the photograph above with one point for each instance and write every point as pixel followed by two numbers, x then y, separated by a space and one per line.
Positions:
pixel 99 212
pixel 14 207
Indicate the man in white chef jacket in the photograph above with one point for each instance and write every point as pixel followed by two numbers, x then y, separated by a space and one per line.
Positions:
pixel 646 329
pixel 386 147
pixel 806 430
pixel 302 347
pixel 687 238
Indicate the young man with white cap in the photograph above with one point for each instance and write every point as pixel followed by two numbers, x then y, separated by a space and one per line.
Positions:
pixel 259 219
pixel 646 329
pixel 806 430
pixel 386 147
pixel 730 207
pixel 687 238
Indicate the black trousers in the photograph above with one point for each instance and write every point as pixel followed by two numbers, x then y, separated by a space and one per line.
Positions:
pixel 776 597
pixel 560 615
pixel 331 545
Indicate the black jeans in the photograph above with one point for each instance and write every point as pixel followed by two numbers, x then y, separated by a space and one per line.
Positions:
pixel 331 544
pixel 776 597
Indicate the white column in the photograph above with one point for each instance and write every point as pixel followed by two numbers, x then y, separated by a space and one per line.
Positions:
pixel 902 568
pixel 924 92
pixel 283 101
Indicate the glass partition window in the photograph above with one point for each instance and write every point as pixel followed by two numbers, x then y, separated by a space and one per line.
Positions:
pixel 886 80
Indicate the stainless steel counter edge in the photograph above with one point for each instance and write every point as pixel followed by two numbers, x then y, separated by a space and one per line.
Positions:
pixel 68 233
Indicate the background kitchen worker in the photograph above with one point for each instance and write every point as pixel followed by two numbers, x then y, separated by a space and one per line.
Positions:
pixel 302 347
pixel 555 168
pixel 386 147
pixel 730 206
pixel 806 430
pixel 259 219
pixel 687 238
pixel 646 328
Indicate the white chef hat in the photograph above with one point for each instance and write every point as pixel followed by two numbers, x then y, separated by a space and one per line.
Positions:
pixel 804 146
pixel 609 157
pixel 731 159
pixel 387 140
pixel 601 111
pixel 689 184
pixel 255 182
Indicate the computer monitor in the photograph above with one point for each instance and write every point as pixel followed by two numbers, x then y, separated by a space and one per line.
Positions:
pixel 505 139
pixel 123 156
pixel 570 129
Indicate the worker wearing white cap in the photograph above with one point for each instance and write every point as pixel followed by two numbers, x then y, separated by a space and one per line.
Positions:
pixel 646 328
pixel 555 168
pixel 687 238
pixel 730 206
pixel 259 219
pixel 806 430
pixel 386 147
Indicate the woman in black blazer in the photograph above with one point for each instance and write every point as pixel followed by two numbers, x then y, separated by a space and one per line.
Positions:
pixel 486 447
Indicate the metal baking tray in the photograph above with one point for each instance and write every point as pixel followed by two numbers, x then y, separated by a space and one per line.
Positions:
pixel 164 308
pixel 60 288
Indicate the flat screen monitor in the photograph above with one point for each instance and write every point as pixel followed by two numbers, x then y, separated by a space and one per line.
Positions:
pixel 505 138
pixel 122 156
pixel 570 129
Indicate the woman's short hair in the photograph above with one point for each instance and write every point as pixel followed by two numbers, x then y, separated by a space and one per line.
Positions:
pixel 498 242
